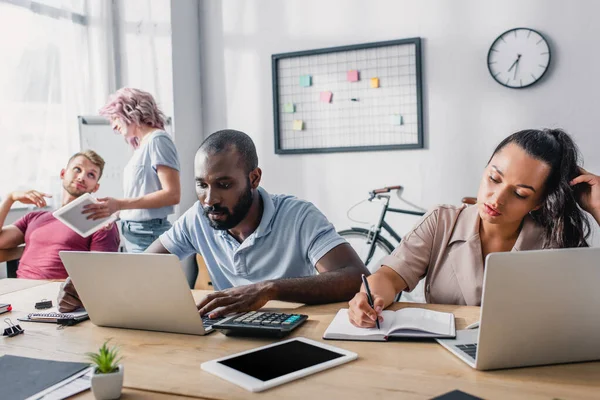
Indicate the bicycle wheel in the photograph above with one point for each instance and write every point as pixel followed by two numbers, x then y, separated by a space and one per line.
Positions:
pixel 359 240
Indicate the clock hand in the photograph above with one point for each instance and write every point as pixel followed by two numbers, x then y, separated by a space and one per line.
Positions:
pixel 515 63
pixel 517 67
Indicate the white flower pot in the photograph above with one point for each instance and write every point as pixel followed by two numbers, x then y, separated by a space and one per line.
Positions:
pixel 108 386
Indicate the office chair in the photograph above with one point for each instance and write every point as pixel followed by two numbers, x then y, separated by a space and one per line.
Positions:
pixel 11 257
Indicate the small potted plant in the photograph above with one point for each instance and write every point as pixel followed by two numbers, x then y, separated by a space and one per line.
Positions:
pixel 107 377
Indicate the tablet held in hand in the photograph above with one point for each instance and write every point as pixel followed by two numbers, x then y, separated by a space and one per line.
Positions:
pixel 72 216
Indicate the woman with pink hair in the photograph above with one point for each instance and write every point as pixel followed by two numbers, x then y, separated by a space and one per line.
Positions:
pixel 151 177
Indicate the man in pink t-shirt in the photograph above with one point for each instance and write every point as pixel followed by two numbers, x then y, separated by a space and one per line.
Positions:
pixel 44 236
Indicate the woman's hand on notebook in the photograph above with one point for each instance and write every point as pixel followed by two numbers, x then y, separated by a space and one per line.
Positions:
pixel 68 299
pixel 361 314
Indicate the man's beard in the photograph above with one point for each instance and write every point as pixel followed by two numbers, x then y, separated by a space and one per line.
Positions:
pixel 72 191
pixel 240 210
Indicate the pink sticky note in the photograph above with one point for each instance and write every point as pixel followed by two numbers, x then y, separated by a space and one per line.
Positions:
pixel 352 75
pixel 326 97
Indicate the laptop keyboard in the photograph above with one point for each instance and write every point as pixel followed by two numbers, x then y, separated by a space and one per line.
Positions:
pixel 470 349
pixel 208 322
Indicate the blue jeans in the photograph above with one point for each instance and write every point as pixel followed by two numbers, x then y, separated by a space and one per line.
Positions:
pixel 139 235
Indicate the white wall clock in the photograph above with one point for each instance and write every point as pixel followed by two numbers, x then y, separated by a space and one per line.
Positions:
pixel 519 58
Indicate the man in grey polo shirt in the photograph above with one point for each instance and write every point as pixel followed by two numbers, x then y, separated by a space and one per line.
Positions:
pixel 257 246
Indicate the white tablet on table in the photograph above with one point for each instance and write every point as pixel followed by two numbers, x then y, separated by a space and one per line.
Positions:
pixel 71 215
pixel 272 365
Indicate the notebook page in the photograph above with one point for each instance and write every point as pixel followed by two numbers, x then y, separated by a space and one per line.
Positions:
pixel 420 319
pixel 341 326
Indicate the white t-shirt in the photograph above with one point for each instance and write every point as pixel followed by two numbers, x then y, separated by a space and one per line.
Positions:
pixel 140 177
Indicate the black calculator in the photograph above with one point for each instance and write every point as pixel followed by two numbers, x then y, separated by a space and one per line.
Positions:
pixel 258 323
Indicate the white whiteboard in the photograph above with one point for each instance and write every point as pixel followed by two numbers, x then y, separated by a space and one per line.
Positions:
pixel 95 133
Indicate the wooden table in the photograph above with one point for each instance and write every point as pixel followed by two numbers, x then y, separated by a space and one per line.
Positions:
pixel 9 285
pixel 170 363
pixel 133 394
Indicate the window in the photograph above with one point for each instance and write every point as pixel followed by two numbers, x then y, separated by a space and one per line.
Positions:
pixel 61 59
pixel 44 85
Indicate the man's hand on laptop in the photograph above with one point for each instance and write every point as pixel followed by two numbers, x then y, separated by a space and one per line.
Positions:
pixel 68 299
pixel 238 299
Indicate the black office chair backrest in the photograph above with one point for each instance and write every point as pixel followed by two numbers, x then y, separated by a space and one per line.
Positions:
pixel 11 268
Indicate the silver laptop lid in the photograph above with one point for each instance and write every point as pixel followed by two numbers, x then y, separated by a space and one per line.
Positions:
pixel 137 291
pixel 540 307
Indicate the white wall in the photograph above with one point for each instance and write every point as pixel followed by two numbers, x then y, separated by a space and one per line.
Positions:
pixel 187 89
pixel 466 112
pixel 187 100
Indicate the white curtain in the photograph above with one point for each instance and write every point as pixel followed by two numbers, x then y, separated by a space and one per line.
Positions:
pixel 57 63
pixel 145 48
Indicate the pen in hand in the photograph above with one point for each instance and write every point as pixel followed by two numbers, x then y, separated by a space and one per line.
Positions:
pixel 370 299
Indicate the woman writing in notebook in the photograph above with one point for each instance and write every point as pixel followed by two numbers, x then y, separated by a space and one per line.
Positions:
pixel 151 177
pixel 531 196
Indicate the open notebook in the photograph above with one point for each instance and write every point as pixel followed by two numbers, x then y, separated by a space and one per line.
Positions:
pixel 407 322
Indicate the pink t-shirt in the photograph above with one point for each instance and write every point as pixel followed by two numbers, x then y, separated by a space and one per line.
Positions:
pixel 45 236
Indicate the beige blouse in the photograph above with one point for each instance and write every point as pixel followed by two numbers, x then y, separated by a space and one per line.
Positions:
pixel 445 249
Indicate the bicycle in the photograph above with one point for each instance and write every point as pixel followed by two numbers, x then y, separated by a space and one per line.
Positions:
pixel 371 239
pixel 366 242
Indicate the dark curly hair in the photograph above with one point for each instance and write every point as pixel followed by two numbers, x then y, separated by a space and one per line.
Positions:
pixel 564 223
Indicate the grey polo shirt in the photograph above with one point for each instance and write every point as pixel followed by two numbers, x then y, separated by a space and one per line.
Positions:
pixel 291 238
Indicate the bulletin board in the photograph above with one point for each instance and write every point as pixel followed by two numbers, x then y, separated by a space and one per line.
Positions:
pixel 361 97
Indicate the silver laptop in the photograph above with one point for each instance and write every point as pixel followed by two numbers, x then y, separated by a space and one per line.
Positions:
pixel 538 307
pixel 135 291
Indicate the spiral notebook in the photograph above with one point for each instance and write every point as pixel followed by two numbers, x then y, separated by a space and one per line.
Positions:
pixel 53 316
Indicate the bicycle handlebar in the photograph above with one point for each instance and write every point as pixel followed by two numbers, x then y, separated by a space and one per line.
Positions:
pixel 386 189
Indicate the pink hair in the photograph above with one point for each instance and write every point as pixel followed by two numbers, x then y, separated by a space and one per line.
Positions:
pixel 134 106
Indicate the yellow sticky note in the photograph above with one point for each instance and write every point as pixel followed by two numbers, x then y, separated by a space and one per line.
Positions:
pixel 374 83
pixel 298 125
